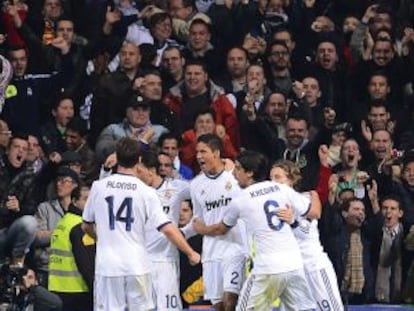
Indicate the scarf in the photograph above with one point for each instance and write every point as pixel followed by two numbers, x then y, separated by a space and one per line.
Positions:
pixel 354 270
pixel 388 284
pixel 5 77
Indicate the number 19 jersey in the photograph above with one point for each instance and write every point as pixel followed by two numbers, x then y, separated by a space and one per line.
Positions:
pixel 120 206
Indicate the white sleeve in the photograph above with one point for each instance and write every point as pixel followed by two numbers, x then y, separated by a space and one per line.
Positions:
pixel 231 215
pixel 197 207
pixel 155 211
pixel 88 214
pixel 300 204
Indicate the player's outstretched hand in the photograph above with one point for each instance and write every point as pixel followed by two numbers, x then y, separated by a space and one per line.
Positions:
pixel 194 258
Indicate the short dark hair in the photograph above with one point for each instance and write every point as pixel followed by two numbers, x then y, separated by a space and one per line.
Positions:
pixel 200 21
pixel 273 43
pixel 378 103
pixel 196 62
pixel 22 136
pixel 347 203
pixel 149 159
pixel 169 135
pixel 62 96
pixel 158 18
pixel 393 197
pixel 203 111
pixel 76 193
pixel 78 125
pixel 127 152
pixel 213 141
pixel 298 117
pixel 240 48
pixel 255 162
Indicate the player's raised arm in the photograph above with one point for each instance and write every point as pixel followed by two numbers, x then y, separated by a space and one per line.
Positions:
pixel 175 236
pixel 316 206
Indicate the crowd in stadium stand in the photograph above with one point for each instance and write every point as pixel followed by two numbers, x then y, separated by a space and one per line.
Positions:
pixel 326 84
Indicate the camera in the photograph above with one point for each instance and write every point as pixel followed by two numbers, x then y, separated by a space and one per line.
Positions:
pixel 12 297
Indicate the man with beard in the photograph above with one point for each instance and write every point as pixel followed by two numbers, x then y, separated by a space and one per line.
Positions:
pixel 279 76
pixel 301 151
pixel 330 75
pixel 265 132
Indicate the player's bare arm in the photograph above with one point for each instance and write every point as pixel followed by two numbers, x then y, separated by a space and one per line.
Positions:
pixel 176 237
pixel 316 206
pixel 212 230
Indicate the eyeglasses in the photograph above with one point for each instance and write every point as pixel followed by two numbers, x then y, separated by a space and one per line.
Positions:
pixel 64 180
pixel 166 165
pixel 280 53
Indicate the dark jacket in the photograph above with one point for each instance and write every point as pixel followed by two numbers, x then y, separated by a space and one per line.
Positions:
pixel 337 243
pixel 19 183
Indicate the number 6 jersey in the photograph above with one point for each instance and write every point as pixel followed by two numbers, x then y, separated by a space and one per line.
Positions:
pixel 120 206
pixel 276 248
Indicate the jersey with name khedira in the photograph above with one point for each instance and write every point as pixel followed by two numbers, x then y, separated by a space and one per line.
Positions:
pixel 120 206
pixel 211 196
pixel 171 193
pixel 276 248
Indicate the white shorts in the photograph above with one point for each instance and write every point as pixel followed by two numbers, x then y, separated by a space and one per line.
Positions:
pixel 166 284
pixel 119 293
pixel 324 288
pixel 223 276
pixel 261 290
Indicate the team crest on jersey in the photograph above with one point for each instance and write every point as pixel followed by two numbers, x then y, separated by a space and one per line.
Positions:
pixel 168 194
pixel 228 186
pixel 302 162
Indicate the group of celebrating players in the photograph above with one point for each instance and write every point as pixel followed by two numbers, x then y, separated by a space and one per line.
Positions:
pixel 240 213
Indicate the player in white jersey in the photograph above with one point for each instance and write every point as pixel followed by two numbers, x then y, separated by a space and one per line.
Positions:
pixel 319 271
pixel 163 254
pixel 223 257
pixel 278 267
pixel 119 206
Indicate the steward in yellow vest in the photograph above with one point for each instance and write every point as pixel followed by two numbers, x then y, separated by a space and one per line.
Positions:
pixel 72 256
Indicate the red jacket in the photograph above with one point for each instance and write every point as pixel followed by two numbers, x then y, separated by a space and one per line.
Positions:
pixel 225 113
pixel 188 150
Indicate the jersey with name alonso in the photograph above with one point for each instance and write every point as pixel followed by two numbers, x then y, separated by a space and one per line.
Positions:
pixel 120 205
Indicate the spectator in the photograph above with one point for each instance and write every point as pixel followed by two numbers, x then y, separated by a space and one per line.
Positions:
pixel 196 92
pixel 48 215
pixel 111 93
pixel 235 80
pixel 53 133
pixel 204 124
pixel 76 141
pixel 170 145
pixel 28 105
pixel 137 125
pixel 17 223
pixel 172 67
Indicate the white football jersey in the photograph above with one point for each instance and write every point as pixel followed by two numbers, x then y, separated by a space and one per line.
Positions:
pixel 171 193
pixel 276 248
pixel 120 206
pixel 211 196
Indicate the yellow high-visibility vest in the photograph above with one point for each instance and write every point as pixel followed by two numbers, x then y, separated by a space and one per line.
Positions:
pixel 64 276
